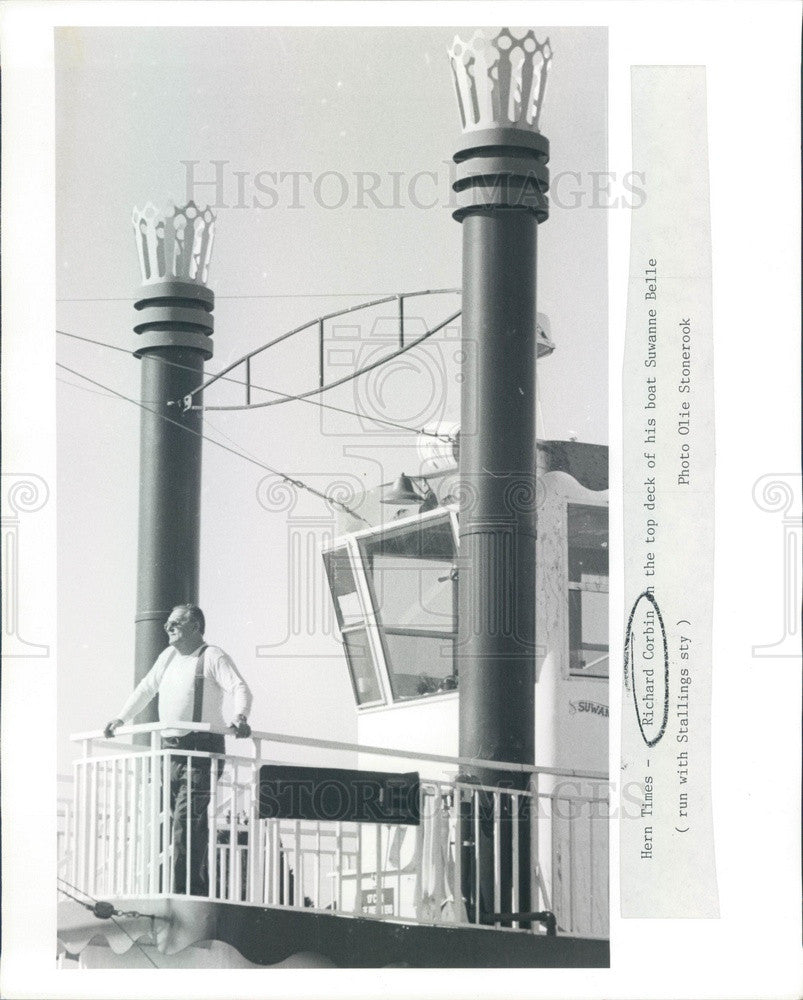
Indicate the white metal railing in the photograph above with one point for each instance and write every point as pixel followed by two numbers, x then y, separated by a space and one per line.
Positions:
pixel 65 827
pixel 116 837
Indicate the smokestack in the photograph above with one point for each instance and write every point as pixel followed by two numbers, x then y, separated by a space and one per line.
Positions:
pixel 501 186
pixel 173 327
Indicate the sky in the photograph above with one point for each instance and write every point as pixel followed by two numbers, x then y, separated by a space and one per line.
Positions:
pixel 149 114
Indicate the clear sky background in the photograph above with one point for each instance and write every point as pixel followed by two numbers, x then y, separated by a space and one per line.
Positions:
pixel 131 106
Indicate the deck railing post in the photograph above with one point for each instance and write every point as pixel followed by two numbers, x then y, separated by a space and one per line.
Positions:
pixel 457 888
pixel 358 879
pixel 74 822
pixel 591 872
pixel 232 858
pixel 516 800
pixel 535 823
pixel 316 898
pixel 101 808
pixel 255 853
pixel 188 865
pixel 153 882
pixel 93 828
pixel 125 835
pixel 379 883
pixel 113 837
pixel 275 862
pixel 211 846
pixel 339 866
pixel 166 850
pixel 571 864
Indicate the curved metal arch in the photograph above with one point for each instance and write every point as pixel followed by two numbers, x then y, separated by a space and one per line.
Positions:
pixel 188 405
pixel 187 402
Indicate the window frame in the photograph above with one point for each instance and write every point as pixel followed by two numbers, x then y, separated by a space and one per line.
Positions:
pixel 365 623
pixel 377 702
pixel 399 527
pixel 371 622
pixel 596 584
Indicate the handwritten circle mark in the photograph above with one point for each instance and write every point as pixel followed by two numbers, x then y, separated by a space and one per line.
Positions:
pixel 630 678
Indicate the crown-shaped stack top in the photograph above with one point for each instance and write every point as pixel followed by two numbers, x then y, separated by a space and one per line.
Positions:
pixel 175 243
pixel 500 80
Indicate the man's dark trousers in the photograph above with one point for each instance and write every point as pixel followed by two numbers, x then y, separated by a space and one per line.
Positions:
pixel 198 770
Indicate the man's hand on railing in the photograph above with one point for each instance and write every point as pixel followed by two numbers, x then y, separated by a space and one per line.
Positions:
pixel 241 728
pixel 109 731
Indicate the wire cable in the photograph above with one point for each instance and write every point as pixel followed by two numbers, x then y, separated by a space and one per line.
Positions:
pixel 82 891
pixel 288 479
pixel 108 395
pixel 103 343
pixel 84 388
pixel 101 909
pixel 261 388
pixel 135 943
pixel 69 895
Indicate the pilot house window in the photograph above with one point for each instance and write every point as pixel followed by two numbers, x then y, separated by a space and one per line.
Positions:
pixel 410 576
pixel 394 594
pixel 351 621
pixel 588 590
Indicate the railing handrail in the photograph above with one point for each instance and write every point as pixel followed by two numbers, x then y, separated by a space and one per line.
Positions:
pixel 307 741
pixel 150 727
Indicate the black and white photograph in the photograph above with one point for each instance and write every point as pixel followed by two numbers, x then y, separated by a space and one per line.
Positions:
pixel 343 454
pixel 388 432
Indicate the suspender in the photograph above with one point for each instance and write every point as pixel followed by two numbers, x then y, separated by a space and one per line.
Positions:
pixel 198 699
pixel 198 692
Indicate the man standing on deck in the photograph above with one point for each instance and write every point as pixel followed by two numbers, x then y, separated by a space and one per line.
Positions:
pixel 190 679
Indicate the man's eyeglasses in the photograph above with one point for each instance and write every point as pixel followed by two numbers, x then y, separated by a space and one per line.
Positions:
pixel 170 625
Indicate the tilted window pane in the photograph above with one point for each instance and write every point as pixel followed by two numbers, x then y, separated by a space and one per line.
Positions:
pixel 411 576
pixel 343 587
pixel 420 665
pixel 588 590
pixel 410 573
pixel 361 667
pixel 588 541
pixel 594 617
pixel 414 593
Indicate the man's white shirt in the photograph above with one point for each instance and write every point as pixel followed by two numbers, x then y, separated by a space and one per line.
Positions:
pixel 172 677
